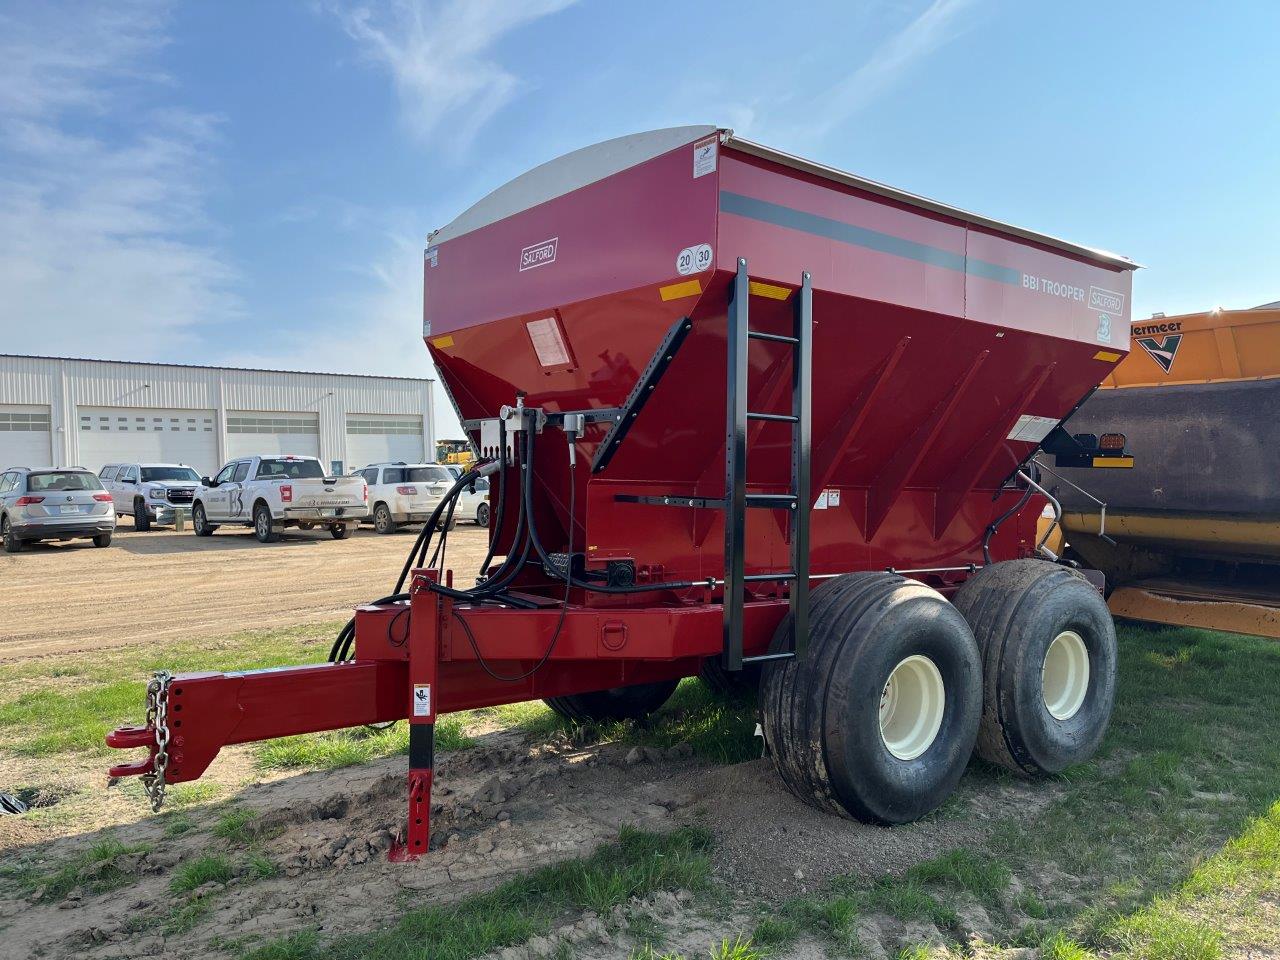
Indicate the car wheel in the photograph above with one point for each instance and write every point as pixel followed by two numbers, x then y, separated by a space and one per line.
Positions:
pixel 141 519
pixel 263 529
pixel 340 531
pixel 102 540
pixel 306 526
pixel 482 515
pixel 200 523
pixel 382 521
pixel 11 542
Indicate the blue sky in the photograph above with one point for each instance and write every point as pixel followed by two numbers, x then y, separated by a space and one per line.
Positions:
pixel 251 183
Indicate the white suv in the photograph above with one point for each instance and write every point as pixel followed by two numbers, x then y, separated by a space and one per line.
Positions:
pixel 149 492
pixel 402 493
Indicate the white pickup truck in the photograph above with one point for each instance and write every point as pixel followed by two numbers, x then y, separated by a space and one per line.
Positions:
pixel 270 493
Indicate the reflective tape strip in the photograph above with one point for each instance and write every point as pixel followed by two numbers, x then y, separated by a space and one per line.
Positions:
pixel 769 290
pixel 442 342
pixel 675 291
pixel 1106 355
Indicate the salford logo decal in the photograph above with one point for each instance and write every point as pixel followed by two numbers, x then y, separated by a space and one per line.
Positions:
pixel 539 254
pixel 1162 349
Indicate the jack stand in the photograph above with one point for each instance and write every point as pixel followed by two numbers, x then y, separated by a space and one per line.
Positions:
pixel 424 656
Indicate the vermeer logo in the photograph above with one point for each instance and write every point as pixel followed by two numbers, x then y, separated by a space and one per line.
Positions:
pixel 539 254
pixel 1162 350
pixel 1107 300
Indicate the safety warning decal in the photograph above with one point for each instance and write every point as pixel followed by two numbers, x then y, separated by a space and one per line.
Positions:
pixel 827 498
pixel 1032 429
pixel 422 699
pixel 704 156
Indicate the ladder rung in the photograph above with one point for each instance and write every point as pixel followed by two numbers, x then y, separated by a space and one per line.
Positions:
pixel 773 417
pixel 771 501
pixel 765 657
pixel 766 577
pixel 771 337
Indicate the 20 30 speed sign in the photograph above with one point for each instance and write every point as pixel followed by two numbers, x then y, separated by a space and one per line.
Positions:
pixel 693 259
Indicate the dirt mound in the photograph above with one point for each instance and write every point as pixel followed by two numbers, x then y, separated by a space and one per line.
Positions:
pixel 313 855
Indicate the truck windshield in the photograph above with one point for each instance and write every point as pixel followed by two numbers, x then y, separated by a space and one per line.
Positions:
pixel 153 474
pixel 290 470
pixel 56 480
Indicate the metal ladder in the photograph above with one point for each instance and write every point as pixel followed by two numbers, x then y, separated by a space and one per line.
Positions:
pixel 737 500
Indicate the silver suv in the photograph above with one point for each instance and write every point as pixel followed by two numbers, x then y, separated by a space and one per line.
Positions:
pixel 53 504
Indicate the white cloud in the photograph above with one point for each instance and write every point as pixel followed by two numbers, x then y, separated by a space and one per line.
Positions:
pixel 935 26
pixel 439 55
pixel 101 195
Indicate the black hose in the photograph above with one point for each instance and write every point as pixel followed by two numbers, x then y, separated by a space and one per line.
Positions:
pixel 567 576
pixel 991 530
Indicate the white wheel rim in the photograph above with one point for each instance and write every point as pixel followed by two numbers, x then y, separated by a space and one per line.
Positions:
pixel 1065 675
pixel 911 707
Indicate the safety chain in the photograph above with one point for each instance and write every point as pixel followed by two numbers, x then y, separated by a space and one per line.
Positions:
pixel 158 720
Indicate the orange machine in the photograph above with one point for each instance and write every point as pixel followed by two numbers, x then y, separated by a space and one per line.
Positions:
pixel 1191 535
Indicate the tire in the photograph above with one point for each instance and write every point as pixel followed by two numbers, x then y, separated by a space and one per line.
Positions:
pixel 1041 713
pixel 305 525
pixel 844 740
pixel 618 703
pixel 102 540
pixel 11 542
pixel 482 515
pixel 200 524
pixel 263 529
pixel 746 682
pixel 382 520
pixel 339 531
pixel 141 519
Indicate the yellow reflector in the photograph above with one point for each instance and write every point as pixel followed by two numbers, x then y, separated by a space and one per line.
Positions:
pixel 1106 355
pixel 442 342
pixel 769 290
pixel 1113 461
pixel 674 291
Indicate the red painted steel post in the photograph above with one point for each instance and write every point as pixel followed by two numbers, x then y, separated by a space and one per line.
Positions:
pixel 424 658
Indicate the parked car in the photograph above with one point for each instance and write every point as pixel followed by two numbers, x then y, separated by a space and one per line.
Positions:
pixel 401 493
pixel 149 492
pixel 270 493
pixel 54 504
pixel 473 504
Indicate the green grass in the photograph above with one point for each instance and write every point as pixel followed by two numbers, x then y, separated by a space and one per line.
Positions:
pixel 208 868
pixel 719 729
pixel 964 870
pixel 55 708
pixel 524 907
pixel 236 825
pixel 94 870
pixel 345 748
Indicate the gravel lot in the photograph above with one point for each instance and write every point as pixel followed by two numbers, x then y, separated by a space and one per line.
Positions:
pixel 65 598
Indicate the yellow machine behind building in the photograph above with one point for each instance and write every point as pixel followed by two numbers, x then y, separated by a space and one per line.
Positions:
pixel 457 452
pixel 1191 534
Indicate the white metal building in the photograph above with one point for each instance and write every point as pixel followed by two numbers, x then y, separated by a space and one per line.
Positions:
pixel 62 412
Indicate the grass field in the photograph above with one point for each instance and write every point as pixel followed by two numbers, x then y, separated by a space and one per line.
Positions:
pixel 1165 847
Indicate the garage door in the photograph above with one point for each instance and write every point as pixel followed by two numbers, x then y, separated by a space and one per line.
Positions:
pixel 147 435
pixel 383 438
pixel 250 434
pixel 24 436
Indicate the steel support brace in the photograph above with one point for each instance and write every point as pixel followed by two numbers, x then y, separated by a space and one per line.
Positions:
pixel 801 448
pixel 735 469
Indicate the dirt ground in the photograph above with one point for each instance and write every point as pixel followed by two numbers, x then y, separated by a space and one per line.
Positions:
pixel 503 807
pixel 69 598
